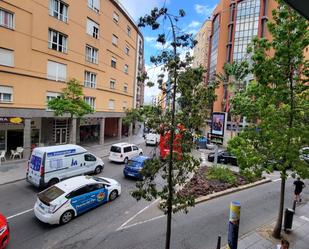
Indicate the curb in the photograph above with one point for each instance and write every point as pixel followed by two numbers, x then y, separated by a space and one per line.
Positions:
pixel 13 181
pixel 231 190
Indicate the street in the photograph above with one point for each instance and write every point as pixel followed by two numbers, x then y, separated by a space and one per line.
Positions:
pixel 126 223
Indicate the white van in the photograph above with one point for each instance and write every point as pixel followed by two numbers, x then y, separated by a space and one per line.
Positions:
pixel 49 165
pixel 152 138
pixel 122 152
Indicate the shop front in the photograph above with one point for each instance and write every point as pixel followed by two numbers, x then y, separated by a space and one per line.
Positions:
pixel 89 130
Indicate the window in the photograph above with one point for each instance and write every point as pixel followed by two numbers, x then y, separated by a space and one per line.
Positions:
pixel 127 149
pixel 6 94
pixel 90 158
pixel 50 96
pixel 93 28
pixel 126 69
pixel 91 54
pixel 125 87
pixel 6 57
pixel 56 71
pixel 57 41
pixel 112 83
pixel 135 148
pixel 59 10
pixel 113 62
pixel 90 79
pixel 94 5
pixel 124 105
pixel 115 17
pixel 95 187
pixel 6 19
pixel 111 104
pixel 115 40
pixel 78 192
pixel 127 50
pixel 129 31
pixel 90 101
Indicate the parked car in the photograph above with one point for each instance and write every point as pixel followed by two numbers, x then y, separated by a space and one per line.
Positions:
pixel 223 157
pixel 152 138
pixel 60 203
pixel 135 166
pixel 49 165
pixel 4 232
pixel 123 152
pixel 304 154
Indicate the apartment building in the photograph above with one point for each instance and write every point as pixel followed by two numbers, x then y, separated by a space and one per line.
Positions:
pixel 234 24
pixel 200 51
pixel 44 44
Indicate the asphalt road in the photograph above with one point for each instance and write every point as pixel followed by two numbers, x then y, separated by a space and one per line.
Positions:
pixel 100 228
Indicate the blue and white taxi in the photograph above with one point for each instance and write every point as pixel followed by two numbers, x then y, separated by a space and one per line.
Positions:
pixel 65 200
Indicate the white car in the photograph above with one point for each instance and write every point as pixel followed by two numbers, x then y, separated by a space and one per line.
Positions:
pixel 123 152
pixel 152 138
pixel 65 200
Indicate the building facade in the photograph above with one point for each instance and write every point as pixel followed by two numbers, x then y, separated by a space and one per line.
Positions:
pixel 200 51
pixel 234 24
pixel 46 43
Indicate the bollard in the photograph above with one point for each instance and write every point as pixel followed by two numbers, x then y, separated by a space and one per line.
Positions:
pixel 219 242
pixel 233 225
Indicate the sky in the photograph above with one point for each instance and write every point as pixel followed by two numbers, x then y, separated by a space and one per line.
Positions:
pixel 197 11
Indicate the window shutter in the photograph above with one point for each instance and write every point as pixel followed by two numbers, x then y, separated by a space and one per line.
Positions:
pixel 6 57
pixel 6 89
pixel 51 70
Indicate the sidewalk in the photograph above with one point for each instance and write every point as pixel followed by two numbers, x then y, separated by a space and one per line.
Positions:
pixel 298 236
pixel 15 170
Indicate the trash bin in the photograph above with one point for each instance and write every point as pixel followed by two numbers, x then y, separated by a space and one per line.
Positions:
pixel 288 218
pixel 201 143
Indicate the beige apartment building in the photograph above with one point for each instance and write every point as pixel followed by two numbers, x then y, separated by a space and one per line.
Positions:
pixel 44 43
pixel 200 51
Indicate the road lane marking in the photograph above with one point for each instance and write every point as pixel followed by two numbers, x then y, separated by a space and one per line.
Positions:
pixel 18 214
pixel 141 222
pixel 134 216
pixel 304 218
pixel 277 180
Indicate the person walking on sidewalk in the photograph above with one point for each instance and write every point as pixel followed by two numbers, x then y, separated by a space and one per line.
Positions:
pixel 284 244
pixel 299 185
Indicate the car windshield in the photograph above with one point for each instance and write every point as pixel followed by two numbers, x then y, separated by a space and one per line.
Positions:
pixel 98 179
pixel 134 164
pixel 50 194
pixel 116 149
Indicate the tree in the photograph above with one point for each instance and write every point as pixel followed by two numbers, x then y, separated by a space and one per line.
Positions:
pixel 277 104
pixel 174 171
pixel 70 102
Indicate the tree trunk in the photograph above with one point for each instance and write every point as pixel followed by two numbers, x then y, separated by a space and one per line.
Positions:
pixel 277 229
pixel 170 164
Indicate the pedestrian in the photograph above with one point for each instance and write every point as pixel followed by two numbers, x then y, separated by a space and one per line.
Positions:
pixel 284 244
pixel 299 185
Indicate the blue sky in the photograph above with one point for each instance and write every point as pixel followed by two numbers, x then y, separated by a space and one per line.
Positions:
pixel 197 11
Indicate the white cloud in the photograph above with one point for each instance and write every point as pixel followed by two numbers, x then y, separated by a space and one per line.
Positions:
pixel 204 9
pixel 138 8
pixel 151 92
pixel 150 38
pixel 194 24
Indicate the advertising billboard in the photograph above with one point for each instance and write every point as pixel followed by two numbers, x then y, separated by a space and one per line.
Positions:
pixel 218 123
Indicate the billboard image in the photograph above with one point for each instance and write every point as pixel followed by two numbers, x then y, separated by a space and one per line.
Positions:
pixel 218 119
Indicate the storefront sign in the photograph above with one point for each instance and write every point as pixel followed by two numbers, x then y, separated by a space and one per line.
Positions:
pixel 89 121
pixel 11 120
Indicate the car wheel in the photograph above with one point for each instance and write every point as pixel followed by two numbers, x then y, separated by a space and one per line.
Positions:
pixel 113 195
pixel 126 160
pixel 98 170
pixel 53 182
pixel 141 153
pixel 66 217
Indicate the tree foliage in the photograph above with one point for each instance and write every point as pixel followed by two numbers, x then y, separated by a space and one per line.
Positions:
pixel 70 101
pixel 164 178
pixel 276 105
